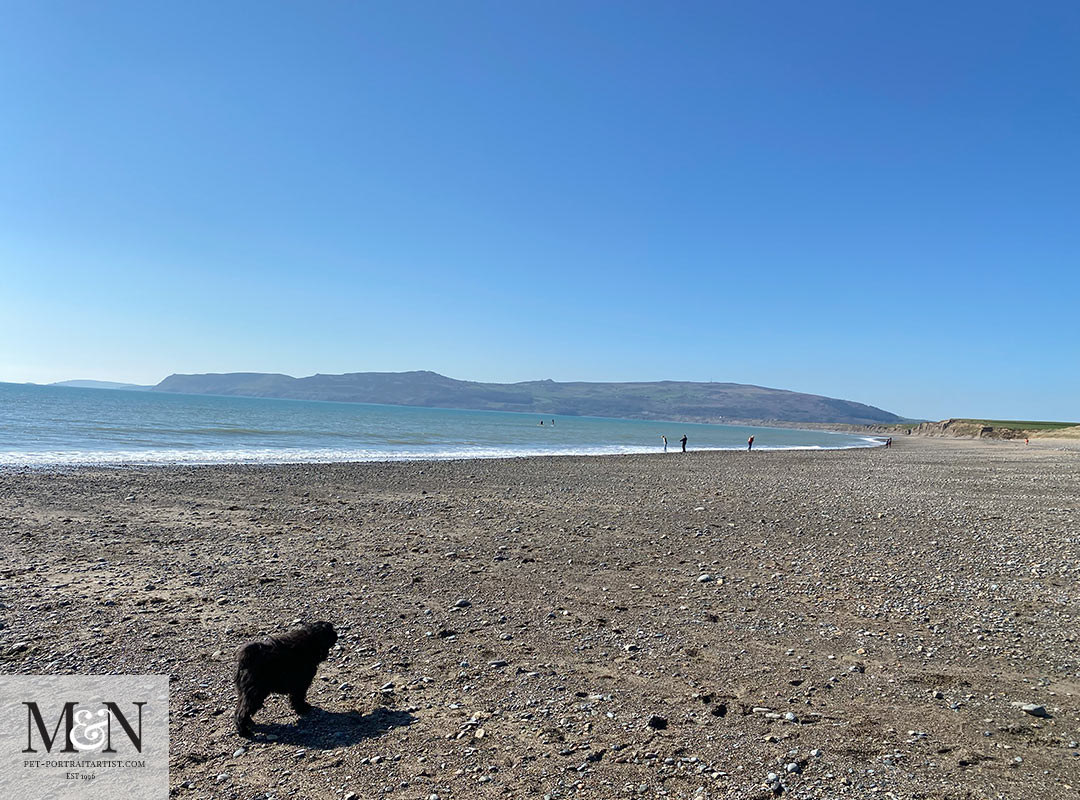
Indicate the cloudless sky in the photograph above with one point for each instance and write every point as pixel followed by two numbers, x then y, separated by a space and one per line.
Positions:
pixel 873 201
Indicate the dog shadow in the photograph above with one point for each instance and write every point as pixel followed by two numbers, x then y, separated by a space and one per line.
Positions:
pixel 327 730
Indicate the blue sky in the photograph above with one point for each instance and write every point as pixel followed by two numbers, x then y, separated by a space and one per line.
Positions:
pixel 878 202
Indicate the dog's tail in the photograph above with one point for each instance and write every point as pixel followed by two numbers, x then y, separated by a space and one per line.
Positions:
pixel 250 652
pixel 249 655
pixel 252 648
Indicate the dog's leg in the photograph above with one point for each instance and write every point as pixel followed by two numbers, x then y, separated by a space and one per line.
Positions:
pixel 298 695
pixel 245 707
pixel 298 701
pixel 248 703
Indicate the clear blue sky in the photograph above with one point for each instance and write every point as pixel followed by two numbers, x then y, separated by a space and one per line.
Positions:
pixel 879 202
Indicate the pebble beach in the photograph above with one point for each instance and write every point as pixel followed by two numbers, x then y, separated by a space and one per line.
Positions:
pixel 895 623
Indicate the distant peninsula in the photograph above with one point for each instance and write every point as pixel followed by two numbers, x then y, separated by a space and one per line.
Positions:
pixel 130 387
pixel 670 400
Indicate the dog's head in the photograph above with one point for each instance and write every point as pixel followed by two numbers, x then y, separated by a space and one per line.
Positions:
pixel 324 634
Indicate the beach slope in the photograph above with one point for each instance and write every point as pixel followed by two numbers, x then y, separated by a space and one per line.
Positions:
pixel 857 623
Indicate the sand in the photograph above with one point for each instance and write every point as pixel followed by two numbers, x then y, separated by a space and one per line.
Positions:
pixel 871 617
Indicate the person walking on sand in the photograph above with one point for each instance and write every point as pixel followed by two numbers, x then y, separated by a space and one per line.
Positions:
pixel 750 444
pixel 683 442
pixel 665 442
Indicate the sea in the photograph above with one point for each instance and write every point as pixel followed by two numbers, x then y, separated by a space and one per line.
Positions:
pixel 51 426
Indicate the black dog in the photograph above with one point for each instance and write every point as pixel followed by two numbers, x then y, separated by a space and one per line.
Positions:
pixel 283 664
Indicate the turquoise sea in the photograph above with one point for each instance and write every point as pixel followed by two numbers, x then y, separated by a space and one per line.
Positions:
pixel 57 426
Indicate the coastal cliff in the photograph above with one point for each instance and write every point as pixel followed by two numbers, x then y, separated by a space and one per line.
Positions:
pixel 991 429
pixel 946 428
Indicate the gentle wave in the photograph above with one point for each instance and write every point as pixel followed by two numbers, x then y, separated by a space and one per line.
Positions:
pixel 170 456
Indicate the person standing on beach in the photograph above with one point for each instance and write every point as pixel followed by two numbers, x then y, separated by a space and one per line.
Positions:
pixel 750 444
pixel 665 442
pixel 683 441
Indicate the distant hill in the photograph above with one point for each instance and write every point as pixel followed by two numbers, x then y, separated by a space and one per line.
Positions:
pixel 133 387
pixel 674 400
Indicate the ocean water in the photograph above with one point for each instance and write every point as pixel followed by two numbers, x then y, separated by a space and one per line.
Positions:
pixel 59 426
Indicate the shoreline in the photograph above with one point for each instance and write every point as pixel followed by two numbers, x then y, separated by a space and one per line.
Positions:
pixel 929 587
pixel 871 442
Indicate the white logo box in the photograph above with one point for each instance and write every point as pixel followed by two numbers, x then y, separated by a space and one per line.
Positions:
pixel 84 737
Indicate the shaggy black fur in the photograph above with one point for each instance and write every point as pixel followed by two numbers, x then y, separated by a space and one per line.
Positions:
pixel 283 664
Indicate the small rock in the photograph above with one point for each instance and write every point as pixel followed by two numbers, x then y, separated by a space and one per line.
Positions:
pixel 462 604
pixel 239 752
pixel 793 768
pixel 705 579
pixel 1034 710
pixel 657 723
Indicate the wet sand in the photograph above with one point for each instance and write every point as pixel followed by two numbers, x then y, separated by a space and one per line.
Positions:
pixel 870 617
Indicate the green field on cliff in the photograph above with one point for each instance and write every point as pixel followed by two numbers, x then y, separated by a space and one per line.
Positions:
pixel 1020 425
